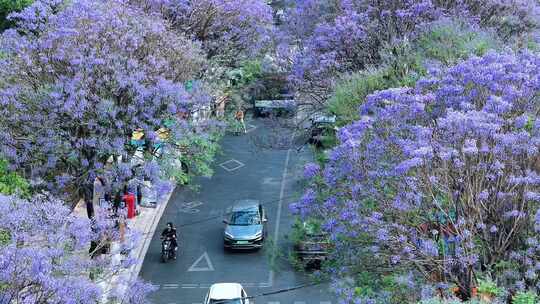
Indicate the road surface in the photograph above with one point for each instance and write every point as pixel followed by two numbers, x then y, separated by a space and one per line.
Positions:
pixel 242 171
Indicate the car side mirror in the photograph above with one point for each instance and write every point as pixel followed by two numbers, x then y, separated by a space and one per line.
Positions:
pixel 225 222
pixel 265 220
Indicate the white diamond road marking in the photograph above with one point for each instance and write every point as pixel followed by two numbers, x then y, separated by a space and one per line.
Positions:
pixel 231 165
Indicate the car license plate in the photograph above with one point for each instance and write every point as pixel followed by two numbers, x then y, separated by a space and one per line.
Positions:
pixel 242 242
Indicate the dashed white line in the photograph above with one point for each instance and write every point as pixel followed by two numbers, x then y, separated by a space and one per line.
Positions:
pixel 170 286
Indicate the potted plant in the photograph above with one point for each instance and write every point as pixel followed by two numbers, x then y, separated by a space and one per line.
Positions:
pixel 488 289
pixel 524 297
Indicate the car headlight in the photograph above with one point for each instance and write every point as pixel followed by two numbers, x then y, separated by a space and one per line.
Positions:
pixel 228 235
pixel 258 235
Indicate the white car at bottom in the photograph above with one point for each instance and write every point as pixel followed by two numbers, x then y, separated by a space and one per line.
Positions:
pixel 226 293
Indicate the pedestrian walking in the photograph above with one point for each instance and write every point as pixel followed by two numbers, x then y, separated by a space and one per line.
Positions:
pixel 240 118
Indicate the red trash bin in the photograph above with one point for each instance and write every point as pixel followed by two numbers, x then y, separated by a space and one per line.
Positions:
pixel 129 199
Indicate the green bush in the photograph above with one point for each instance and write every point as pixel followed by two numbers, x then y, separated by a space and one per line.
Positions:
pixel 351 92
pixel 9 6
pixel 523 297
pixel 451 40
pixel 12 183
pixel 488 286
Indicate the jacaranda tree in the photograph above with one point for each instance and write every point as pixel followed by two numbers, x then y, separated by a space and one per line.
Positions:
pixel 343 36
pixel 78 77
pixel 229 30
pixel 44 255
pixel 441 180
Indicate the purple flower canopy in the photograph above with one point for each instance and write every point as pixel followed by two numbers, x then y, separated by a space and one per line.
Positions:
pixel 42 250
pixel 453 160
pixel 80 77
pixel 228 30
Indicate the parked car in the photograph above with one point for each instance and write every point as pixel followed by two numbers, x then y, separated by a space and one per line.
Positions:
pixel 245 225
pixel 229 293
pixel 277 108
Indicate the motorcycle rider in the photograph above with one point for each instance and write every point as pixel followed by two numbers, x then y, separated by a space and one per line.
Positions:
pixel 170 233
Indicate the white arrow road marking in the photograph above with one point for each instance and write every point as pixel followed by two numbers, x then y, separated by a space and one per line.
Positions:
pixel 209 266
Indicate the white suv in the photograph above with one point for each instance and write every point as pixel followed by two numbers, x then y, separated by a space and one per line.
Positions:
pixel 226 293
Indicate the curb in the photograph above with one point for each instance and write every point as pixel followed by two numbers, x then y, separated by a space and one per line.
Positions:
pixel 152 230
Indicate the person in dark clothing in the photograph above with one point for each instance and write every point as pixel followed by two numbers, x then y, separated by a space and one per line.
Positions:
pixel 170 232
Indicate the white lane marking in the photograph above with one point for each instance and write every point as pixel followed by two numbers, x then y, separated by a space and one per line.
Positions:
pixel 209 266
pixel 278 215
pixel 326 302
pixel 273 302
pixel 299 302
pixel 190 285
pixel 190 207
pixel 170 286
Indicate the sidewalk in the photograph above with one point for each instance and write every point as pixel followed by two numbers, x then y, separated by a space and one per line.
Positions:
pixel 145 223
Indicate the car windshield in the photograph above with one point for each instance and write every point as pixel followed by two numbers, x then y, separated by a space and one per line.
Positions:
pixel 245 218
pixel 232 301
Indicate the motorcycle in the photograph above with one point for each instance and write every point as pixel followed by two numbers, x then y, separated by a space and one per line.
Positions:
pixel 167 250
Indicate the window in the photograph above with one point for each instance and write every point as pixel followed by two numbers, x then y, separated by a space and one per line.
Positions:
pixel 245 218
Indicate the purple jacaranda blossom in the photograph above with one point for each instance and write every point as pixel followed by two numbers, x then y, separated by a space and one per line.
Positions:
pixel 91 85
pixel 310 170
pixel 435 175
pixel 47 246
pixel 228 30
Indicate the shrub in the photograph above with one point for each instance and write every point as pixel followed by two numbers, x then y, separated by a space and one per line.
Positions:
pixel 449 41
pixel 488 286
pixel 352 90
pixel 523 297
pixel 9 6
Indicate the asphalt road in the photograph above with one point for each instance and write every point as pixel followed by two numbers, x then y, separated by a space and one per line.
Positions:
pixel 242 171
